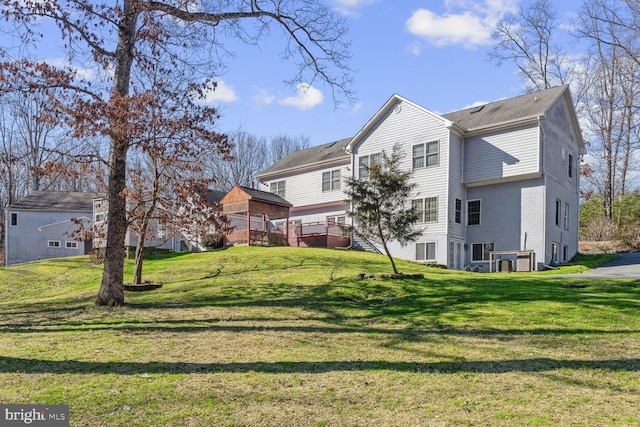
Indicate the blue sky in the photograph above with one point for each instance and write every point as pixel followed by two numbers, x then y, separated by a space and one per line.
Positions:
pixel 432 52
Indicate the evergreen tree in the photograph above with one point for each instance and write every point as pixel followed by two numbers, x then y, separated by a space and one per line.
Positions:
pixel 379 203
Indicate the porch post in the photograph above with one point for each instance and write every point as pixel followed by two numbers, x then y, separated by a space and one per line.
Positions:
pixel 249 228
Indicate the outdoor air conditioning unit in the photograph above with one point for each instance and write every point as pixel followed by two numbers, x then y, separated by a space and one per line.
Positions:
pixel 505 266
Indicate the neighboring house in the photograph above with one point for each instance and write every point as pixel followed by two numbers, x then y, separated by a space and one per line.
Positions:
pixel 42 225
pixel 159 235
pixel 499 177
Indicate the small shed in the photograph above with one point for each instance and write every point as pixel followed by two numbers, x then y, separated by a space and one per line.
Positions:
pixel 250 210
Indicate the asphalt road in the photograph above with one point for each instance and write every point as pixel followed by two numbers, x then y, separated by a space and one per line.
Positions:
pixel 626 265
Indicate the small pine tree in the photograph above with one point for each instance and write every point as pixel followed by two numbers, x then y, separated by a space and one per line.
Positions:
pixel 379 203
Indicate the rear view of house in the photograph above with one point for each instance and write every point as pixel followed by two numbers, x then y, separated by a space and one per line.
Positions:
pixel 496 181
pixel 42 225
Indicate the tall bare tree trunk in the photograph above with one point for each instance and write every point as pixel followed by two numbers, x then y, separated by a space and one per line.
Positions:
pixel 112 287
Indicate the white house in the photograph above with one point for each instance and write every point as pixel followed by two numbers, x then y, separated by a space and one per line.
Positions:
pixel 45 224
pixel 501 177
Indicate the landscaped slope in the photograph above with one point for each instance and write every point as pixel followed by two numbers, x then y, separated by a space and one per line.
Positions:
pixel 291 337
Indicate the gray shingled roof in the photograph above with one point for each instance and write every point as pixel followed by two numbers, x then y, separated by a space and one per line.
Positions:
pixel 309 156
pixel 493 113
pixel 56 201
pixel 215 196
pixel 265 196
pixel 506 110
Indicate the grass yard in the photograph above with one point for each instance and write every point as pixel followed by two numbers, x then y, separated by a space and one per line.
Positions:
pixel 291 337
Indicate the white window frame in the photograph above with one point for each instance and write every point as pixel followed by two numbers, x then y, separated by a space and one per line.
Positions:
pixel 479 213
pixel 422 155
pixel 99 218
pixel 331 180
pixel 457 218
pixel 565 216
pixel 425 214
pixel 162 231
pixel 486 248
pixel 555 249
pixel 422 249
pixel 337 219
pixel 570 169
pixel 54 244
pixel 278 188
pixel 365 161
pixel 69 244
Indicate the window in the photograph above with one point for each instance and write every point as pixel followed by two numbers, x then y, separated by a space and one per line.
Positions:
pixel 426 251
pixel 565 216
pixel 99 217
pixel 570 166
pixel 554 253
pixel 340 219
pixel 558 212
pixel 473 212
pixel 427 209
pixel 14 219
pixel 53 243
pixel 364 162
pixel 425 155
pixel 480 251
pixel 458 214
pixel 71 245
pixel 331 180
pixel 565 253
pixel 162 231
pixel 278 188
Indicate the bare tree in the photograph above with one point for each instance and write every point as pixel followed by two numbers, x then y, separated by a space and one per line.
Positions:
pixel 611 96
pixel 283 145
pixel 248 156
pixel 130 35
pixel 528 39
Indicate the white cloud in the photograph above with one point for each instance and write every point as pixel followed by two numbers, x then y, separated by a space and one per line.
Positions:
pixel 466 22
pixel 351 7
pixel 262 98
pixel 307 97
pixel 220 93
pixel 415 48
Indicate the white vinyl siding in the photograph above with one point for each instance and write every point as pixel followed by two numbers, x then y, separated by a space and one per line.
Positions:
pixel 503 155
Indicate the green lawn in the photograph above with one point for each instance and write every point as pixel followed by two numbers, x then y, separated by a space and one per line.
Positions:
pixel 292 337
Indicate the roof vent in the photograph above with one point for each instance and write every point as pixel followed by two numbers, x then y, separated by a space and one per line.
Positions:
pixel 476 109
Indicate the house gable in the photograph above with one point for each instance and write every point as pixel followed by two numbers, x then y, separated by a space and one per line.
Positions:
pixel 394 106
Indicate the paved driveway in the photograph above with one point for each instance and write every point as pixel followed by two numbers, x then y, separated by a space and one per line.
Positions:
pixel 625 265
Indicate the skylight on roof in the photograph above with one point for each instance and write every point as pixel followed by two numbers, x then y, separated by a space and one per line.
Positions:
pixel 476 109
